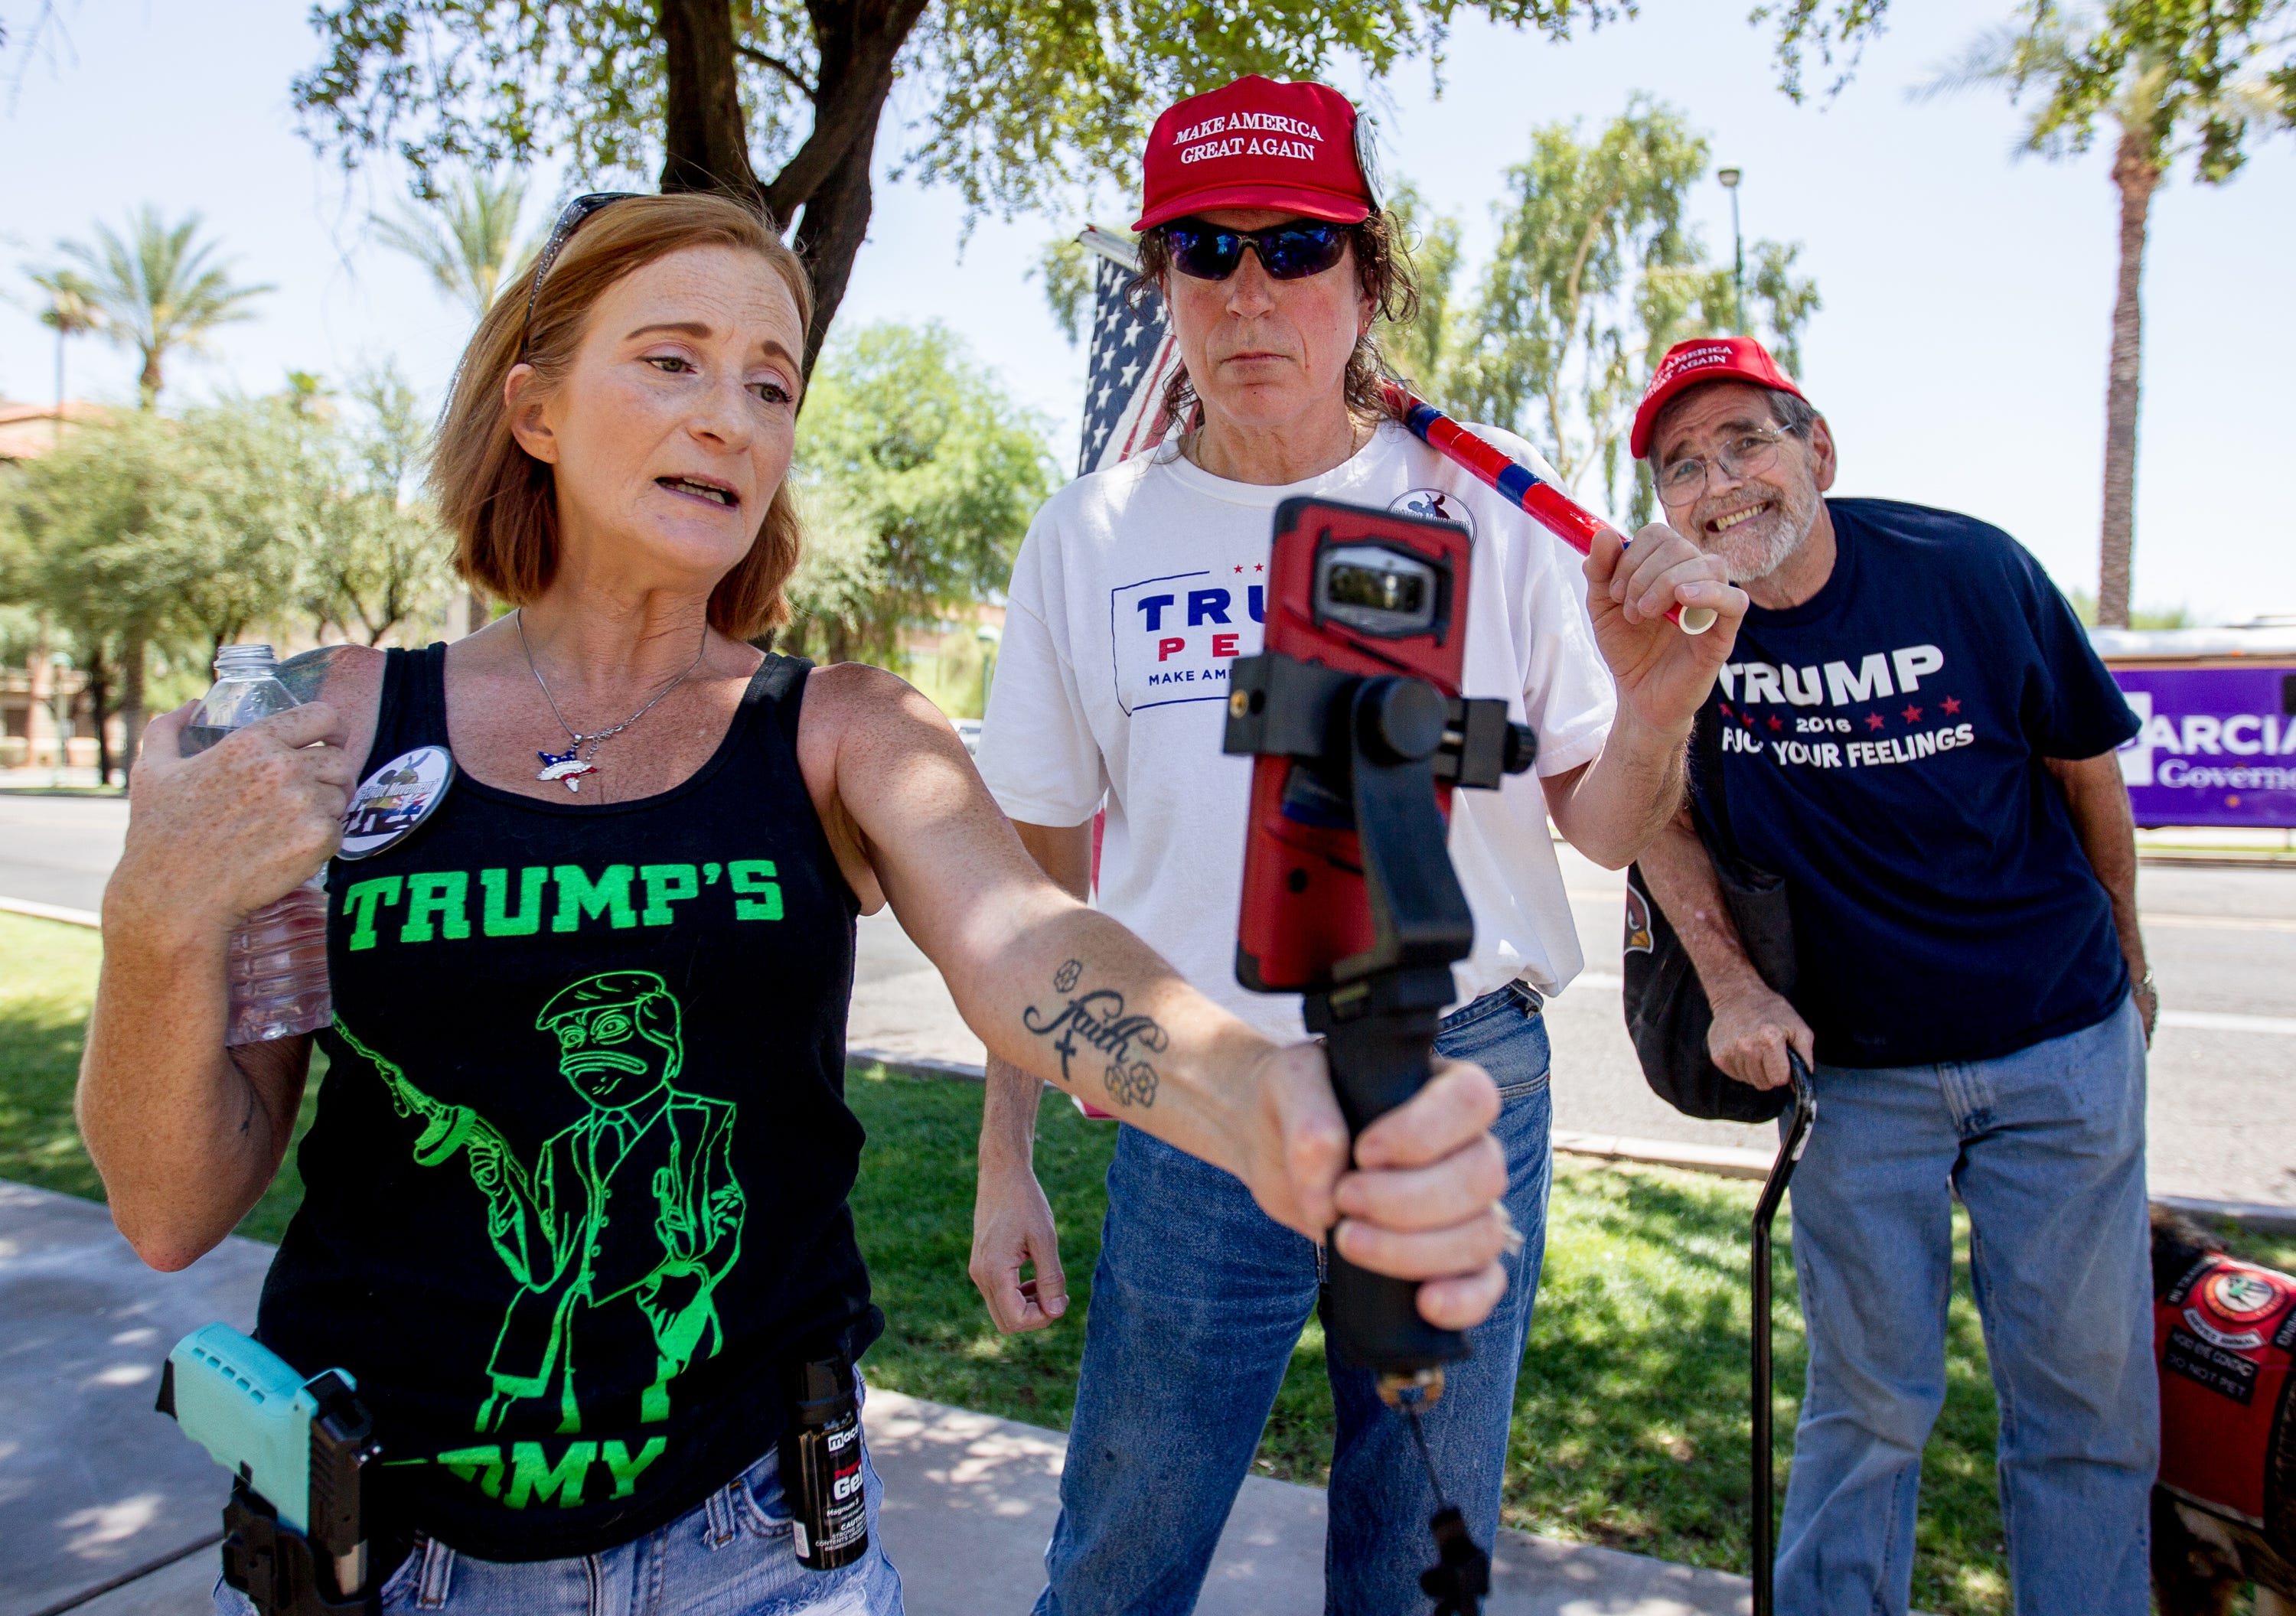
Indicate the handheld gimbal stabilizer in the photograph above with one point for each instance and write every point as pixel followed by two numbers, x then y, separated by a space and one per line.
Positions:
pixel 1354 716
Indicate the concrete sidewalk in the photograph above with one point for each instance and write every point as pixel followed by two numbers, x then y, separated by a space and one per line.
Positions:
pixel 95 1488
pixel 970 1503
pixel 107 1510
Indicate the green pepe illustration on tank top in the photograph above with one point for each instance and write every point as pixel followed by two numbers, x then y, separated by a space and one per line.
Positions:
pixel 631 1212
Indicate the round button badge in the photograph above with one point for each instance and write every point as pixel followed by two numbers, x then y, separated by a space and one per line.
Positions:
pixel 391 803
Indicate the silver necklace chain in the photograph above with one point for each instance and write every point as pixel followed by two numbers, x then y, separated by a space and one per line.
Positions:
pixel 572 765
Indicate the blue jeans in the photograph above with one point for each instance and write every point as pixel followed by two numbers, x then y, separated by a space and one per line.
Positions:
pixel 1197 1302
pixel 2046 1149
pixel 729 1557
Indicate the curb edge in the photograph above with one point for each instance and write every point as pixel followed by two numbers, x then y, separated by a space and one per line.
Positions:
pixel 1716 1161
pixel 88 917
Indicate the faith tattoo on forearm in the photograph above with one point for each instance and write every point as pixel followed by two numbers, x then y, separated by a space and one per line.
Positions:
pixel 1096 1020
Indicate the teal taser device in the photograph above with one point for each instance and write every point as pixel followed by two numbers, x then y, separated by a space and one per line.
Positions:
pixel 297 1448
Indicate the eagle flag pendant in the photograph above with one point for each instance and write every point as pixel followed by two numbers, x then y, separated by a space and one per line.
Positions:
pixel 567 765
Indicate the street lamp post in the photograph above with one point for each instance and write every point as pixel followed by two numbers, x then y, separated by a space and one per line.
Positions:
pixel 60 708
pixel 1730 178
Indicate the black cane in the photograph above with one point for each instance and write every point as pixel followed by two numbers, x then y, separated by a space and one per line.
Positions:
pixel 1766 1212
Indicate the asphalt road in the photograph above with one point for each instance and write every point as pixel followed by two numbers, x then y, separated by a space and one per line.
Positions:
pixel 2222 1111
pixel 59 849
pixel 2223 942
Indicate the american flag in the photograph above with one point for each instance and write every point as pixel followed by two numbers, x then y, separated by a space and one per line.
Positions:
pixel 1133 355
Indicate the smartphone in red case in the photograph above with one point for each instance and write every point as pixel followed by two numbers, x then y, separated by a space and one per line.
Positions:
pixel 1360 591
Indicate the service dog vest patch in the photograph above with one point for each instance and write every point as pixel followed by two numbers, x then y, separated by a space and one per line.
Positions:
pixel 2225 1334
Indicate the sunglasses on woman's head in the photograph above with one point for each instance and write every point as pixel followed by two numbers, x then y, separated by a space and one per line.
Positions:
pixel 570 221
pixel 1290 251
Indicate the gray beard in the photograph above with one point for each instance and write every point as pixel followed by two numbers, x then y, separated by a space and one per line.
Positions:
pixel 1789 529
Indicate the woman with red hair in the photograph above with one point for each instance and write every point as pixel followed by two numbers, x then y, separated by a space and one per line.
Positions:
pixel 575 1212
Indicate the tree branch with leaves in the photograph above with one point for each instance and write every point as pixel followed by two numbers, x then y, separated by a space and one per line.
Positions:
pixel 374 555
pixel 1596 274
pixel 1017 104
pixel 2171 78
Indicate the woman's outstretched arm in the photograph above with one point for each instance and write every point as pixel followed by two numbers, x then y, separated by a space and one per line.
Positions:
pixel 1060 989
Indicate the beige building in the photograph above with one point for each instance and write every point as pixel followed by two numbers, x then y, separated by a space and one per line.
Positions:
pixel 30 431
pixel 40 705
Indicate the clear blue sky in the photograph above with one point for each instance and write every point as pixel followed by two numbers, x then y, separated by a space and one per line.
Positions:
pixel 1960 356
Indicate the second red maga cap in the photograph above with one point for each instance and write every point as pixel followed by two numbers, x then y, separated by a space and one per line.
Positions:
pixel 1255 143
pixel 1699 360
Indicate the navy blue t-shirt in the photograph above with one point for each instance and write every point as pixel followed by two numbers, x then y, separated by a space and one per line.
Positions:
pixel 1882 747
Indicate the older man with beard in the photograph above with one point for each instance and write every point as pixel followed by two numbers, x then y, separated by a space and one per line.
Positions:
pixel 1917 737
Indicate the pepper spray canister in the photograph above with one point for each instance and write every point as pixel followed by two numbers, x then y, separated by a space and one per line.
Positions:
pixel 821 1467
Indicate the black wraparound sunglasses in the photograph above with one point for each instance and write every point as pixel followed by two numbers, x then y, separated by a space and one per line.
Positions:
pixel 569 221
pixel 1290 251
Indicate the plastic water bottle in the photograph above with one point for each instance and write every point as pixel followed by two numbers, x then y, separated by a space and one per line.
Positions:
pixel 278 959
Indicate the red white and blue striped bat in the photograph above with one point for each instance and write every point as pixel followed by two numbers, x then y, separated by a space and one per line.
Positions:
pixel 1518 484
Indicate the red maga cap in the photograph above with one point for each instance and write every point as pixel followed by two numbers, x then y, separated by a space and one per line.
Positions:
pixel 1697 362
pixel 1255 143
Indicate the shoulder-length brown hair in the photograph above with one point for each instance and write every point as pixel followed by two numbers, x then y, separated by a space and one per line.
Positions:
pixel 499 500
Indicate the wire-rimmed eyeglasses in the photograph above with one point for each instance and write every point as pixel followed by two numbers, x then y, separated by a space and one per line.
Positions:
pixel 1746 455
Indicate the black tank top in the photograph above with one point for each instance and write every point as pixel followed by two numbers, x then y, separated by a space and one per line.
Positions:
pixel 576 1190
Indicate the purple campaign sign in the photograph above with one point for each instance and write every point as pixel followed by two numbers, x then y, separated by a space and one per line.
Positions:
pixel 2218 746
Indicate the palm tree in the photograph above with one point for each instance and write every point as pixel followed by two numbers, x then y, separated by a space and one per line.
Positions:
pixel 72 311
pixel 157 289
pixel 2146 107
pixel 468 237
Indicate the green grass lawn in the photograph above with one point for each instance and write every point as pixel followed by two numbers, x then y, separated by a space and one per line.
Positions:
pixel 1630 1416
pixel 1630 1413
pixel 46 973
pixel 47 976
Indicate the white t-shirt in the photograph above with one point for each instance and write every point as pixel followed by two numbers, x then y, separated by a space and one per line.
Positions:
pixel 1134 592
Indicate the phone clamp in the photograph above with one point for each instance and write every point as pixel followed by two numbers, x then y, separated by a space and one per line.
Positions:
pixel 1368 752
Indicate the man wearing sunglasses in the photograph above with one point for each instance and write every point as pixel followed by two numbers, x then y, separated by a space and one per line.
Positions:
pixel 1917 737
pixel 1136 590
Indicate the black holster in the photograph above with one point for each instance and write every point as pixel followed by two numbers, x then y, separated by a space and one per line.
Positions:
pixel 276 1567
